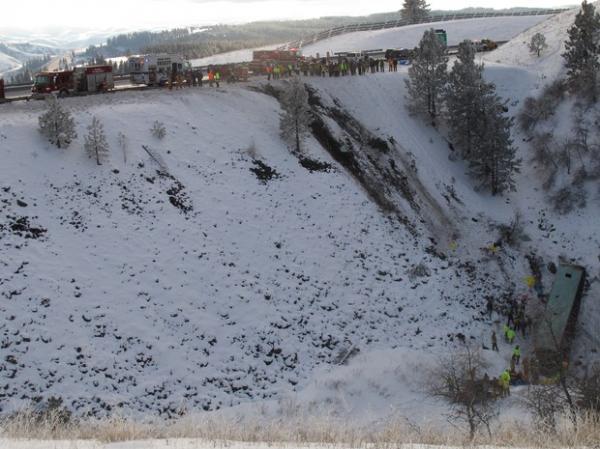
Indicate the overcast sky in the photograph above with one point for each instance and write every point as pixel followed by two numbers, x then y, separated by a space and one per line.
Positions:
pixel 130 14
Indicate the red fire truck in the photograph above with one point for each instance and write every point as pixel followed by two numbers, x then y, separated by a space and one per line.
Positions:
pixel 263 58
pixel 88 79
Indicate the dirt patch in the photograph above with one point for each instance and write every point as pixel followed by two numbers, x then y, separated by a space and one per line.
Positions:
pixel 313 165
pixel 178 197
pixel 22 227
pixel 263 172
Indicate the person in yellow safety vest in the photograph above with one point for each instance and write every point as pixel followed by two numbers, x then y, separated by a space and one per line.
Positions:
pixel 516 354
pixel 217 77
pixel 505 329
pixel 511 335
pixel 505 383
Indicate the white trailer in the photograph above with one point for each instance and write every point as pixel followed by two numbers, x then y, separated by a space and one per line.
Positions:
pixel 156 69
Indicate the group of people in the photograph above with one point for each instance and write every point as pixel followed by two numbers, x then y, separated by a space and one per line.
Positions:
pixel 331 67
pixel 517 320
pixel 195 78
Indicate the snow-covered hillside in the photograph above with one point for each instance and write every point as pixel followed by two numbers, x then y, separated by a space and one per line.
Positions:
pixel 208 280
pixel 8 63
pixel 550 63
pixel 496 28
pixel 140 302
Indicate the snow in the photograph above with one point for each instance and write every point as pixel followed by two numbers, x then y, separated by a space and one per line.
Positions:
pixel 495 28
pixel 549 65
pixel 7 64
pixel 229 57
pixel 252 298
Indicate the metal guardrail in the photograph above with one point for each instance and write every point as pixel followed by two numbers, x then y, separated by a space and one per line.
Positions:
pixel 373 26
pixel 9 87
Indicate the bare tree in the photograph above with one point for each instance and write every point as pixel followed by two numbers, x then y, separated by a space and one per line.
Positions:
pixel 123 144
pixel 57 124
pixel 158 130
pixel 538 44
pixel 546 404
pixel 462 380
pixel 295 119
pixel 96 145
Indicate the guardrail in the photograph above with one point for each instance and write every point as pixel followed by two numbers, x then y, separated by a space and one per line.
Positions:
pixel 373 26
pixel 9 87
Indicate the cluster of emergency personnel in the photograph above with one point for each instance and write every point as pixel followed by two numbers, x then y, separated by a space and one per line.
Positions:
pixel 195 78
pixel 517 320
pixel 331 67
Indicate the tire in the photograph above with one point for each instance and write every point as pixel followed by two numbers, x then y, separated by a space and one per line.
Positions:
pixel 63 93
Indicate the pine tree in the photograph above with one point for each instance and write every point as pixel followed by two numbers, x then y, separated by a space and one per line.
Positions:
pixel 295 119
pixel 57 124
pixel 582 51
pixel 493 162
pixel 538 44
pixel 427 76
pixel 95 142
pixel 465 86
pixel 415 10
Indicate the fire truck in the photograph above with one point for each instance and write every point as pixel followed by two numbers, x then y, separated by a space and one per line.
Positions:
pixel 263 58
pixel 158 69
pixel 90 79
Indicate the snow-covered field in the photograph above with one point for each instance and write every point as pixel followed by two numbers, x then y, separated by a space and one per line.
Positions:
pixel 129 291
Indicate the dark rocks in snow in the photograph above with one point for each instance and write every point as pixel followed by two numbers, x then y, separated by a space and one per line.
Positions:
pixel 313 165
pixel 263 172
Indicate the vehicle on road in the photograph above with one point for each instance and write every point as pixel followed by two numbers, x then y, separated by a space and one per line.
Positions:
pixel 157 69
pixel 89 79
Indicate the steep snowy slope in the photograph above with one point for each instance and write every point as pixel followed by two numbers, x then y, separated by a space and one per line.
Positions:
pixel 205 287
pixel 550 64
pixel 205 281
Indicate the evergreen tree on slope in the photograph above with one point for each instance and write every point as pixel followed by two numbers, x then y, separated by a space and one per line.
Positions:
pixel 57 124
pixel 427 76
pixel 295 119
pixel 465 86
pixel 582 51
pixel 493 161
pixel 415 10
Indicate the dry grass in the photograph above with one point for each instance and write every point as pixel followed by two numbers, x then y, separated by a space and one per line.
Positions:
pixel 326 431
